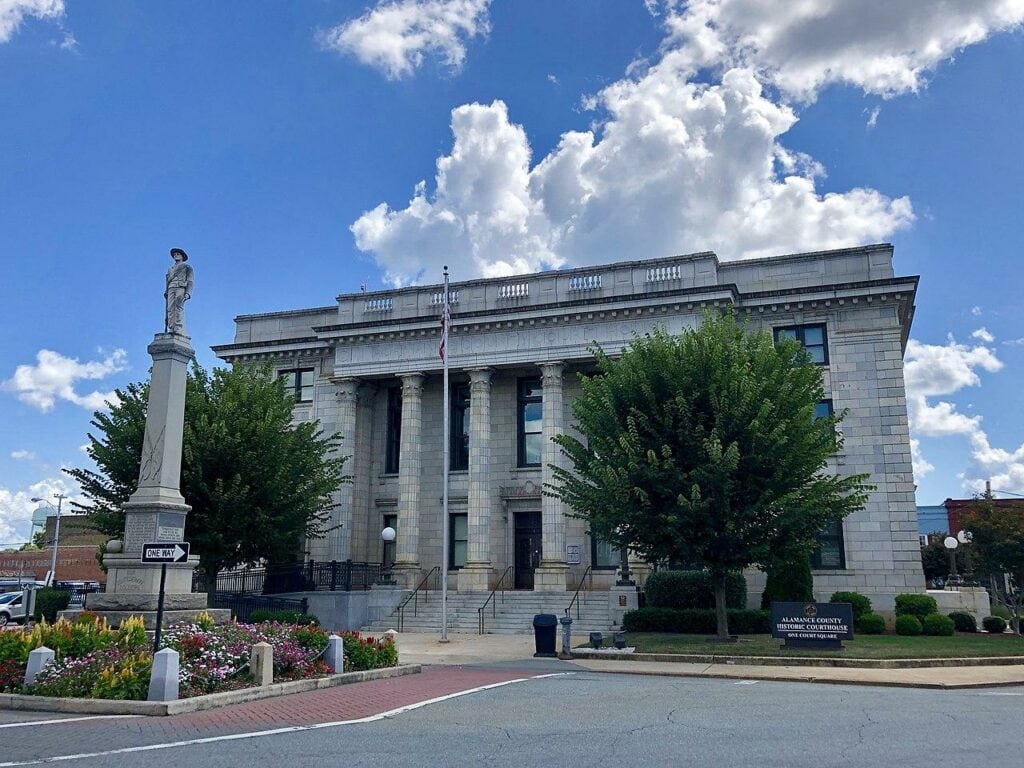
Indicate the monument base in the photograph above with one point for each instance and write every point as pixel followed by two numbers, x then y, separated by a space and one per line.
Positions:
pixel 220 615
pixel 550 577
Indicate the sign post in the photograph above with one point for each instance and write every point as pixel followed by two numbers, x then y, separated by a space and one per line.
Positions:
pixel 163 553
pixel 813 625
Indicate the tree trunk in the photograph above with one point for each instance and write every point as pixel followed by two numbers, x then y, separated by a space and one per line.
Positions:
pixel 211 585
pixel 721 612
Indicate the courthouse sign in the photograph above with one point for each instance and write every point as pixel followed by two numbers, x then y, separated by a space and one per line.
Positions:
pixel 812 625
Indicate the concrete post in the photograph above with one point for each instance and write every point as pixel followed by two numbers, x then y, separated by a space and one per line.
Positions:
pixel 163 683
pixel 261 664
pixel 335 654
pixel 566 622
pixel 37 659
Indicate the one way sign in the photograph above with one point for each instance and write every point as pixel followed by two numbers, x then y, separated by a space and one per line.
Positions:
pixel 164 552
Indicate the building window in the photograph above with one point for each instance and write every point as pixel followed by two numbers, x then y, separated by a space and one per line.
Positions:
pixel 604 556
pixel 393 436
pixel 823 409
pixel 830 553
pixel 531 415
pixel 388 555
pixel 812 337
pixel 298 383
pixel 458 540
pixel 460 427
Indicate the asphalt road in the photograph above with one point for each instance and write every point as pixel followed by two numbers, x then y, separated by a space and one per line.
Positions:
pixel 580 718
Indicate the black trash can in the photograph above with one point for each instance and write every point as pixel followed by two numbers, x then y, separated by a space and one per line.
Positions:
pixel 545 628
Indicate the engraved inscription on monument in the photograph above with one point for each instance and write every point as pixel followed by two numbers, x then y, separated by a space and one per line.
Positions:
pixel 138 529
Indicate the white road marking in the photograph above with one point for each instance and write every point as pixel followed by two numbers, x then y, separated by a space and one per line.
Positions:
pixel 747 682
pixel 276 731
pixel 65 720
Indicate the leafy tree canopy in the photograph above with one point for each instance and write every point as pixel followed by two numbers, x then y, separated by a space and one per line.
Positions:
pixel 704 448
pixel 998 531
pixel 258 484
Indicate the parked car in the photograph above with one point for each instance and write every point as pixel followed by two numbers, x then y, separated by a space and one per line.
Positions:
pixel 12 608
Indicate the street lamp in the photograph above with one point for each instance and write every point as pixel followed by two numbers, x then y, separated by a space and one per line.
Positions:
pixel 56 533
pixel 951 544
pixel 388 537
pixel 624 574
pixel 966 537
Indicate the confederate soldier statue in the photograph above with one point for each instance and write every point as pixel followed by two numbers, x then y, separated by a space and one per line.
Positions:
pixel 179 290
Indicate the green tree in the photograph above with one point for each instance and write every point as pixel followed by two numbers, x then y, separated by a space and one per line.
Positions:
pixel 789 578
pixel 998 531
pixel 703 448
pixel 258 484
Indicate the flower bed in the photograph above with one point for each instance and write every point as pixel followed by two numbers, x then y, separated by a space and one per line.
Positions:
pixel 94 661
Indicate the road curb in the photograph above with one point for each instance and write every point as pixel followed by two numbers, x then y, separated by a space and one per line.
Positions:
pixel 796 661
pixel 197 703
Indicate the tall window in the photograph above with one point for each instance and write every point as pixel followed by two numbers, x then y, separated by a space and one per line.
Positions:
pixel 830 553
pixel 531 413
pixel 393 435
pixel 812 337
pixel 298 382
pixel 460 427
pixel 388 555
pixel 458 540
pixel 604 556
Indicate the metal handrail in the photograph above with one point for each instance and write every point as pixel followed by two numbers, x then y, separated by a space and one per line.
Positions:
pixel 414 597
pixel 491 599
pixel 576 595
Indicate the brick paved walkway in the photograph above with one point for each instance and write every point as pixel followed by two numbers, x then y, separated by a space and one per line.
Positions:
pixel 347 702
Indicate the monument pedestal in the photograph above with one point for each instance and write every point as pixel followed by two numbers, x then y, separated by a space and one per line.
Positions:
pixel 550 577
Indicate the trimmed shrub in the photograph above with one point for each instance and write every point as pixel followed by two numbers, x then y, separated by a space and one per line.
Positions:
pixel 916 605
pixel 695 621
pixel 789 581
pixel 936 624
pixel 49 601
pixel 282 617
pixel 994 624
pixel 908 625
pixel 692 589
pixel 964 621
pixel 861 605
pixel 871 624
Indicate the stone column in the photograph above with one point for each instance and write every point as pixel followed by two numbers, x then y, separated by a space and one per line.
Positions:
pixel 407 563
pixel 551 575
pixel 475 576
pixel 336 543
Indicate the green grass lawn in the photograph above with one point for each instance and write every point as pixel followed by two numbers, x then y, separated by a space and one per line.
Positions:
pixel 863 647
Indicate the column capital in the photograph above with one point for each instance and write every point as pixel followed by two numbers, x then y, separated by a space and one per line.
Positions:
pixel 412 383
pixel 480 376
pixel 346 387
pixel 551 373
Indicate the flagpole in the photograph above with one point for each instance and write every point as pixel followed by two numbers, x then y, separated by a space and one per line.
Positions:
pixel 445 323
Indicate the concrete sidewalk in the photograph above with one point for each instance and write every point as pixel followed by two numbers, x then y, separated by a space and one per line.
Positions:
pixel 426 649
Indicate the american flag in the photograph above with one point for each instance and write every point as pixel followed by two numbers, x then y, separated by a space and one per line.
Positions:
pixel 445 320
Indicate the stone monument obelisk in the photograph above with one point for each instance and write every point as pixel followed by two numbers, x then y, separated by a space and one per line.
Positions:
pixel 156 511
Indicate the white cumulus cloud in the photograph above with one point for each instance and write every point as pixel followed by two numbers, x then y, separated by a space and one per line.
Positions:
pixel 16 506
pixel 14 12
pixel 983 334
pixel 54 376
pixel 22 455
pixel 395 37
pixel 879 46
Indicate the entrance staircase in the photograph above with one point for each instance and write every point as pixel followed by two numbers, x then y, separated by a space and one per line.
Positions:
pixel 511 615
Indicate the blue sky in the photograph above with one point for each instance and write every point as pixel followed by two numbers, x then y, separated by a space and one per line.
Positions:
pixel 283 145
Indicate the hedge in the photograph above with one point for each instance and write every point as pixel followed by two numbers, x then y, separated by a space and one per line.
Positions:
pixel 964 621
pixel 692 589
pixel 871 624
pixel 916 605
pixel 49 601
pixel 908 625
pixel 695 621
pixel 938 625
pixel 993 624
pixel 861 605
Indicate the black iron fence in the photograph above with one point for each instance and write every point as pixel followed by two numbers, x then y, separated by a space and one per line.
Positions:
pixel 78 590
pixel 242 606
pixel 334 576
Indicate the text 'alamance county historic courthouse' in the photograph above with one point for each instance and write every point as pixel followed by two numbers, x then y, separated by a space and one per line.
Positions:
pixel 368 368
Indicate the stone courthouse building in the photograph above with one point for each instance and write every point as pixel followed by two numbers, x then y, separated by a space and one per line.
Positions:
pixel 367 366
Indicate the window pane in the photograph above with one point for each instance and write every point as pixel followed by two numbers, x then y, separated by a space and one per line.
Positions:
pixel 785 333
pixel 306 392
pixel 533 414
pixel 531 388
pixel 532 448
pixel 459 554
pixel 460 526
pixel 289 381
pixel 817 353
pixel 813 336
pixel 823 409
pixel 605 555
